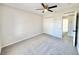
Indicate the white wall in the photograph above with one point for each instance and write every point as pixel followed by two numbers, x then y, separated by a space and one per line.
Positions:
pixel 18 25
pixel 53 26
pixel 65 25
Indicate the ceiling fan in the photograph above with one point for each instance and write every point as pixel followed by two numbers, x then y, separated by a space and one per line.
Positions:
pixel 46 8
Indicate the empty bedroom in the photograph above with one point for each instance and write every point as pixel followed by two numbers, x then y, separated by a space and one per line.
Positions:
pixel 39 28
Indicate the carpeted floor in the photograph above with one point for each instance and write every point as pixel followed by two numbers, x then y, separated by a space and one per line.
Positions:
pixel 41 45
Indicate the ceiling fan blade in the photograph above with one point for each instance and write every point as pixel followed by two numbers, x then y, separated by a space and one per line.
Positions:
pixel 43 5
pixel 50 10
pixel 52 7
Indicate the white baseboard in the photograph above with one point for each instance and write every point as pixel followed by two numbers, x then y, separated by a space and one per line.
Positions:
pixel 21 40
pixel 53 36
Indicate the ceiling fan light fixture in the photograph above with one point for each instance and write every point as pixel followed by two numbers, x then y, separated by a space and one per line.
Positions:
pixel 45 10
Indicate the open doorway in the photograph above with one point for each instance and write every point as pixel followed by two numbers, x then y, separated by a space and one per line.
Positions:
pixel 68 26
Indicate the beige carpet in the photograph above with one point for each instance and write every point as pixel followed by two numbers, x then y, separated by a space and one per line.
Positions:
pixel 41 45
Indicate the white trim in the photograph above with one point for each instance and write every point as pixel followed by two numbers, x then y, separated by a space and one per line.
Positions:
pixel 21 40
pixel 53 36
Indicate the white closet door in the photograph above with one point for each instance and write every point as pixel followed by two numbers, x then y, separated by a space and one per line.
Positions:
pixel 53 26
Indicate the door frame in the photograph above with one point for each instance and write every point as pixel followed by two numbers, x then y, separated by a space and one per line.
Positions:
pixel 76 30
